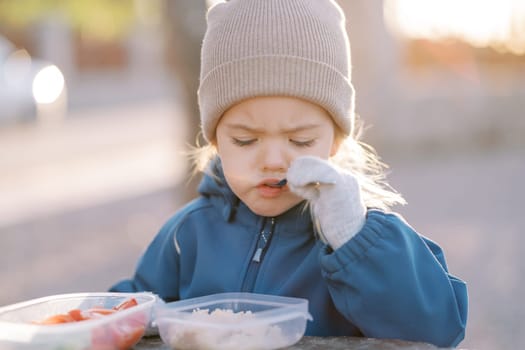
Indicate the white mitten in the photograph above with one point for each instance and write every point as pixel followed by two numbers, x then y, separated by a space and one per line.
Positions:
pixel 334 195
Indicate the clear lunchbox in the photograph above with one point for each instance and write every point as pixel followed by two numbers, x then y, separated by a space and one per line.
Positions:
pixel 21 325
pixel 232 321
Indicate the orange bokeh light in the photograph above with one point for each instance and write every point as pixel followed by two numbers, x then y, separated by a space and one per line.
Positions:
pixel 499 24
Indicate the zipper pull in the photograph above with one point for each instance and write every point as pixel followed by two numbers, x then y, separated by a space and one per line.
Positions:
pixel 257 255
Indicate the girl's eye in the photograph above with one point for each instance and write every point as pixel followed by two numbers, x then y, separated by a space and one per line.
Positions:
pixel 242 143
pixel 306 143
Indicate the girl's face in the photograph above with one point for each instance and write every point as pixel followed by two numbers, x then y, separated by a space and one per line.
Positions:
pixel 257 140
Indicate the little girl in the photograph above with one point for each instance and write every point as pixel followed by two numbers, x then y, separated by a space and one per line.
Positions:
pixel 277 105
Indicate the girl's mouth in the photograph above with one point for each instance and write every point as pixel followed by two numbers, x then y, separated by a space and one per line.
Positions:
pixel 278 184
pixel 271 188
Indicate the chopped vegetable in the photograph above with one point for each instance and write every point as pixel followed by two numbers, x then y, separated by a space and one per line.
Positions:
pixel 126 304
pixel 124 334
pixel 76 315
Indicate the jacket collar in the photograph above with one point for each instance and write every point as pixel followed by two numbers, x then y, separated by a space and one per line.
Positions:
pixel 214 187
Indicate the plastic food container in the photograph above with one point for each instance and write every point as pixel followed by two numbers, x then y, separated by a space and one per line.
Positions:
pixel 233 321
pixel 116 331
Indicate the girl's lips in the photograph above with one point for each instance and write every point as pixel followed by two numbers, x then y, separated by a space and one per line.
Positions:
pixel 271 188
pixel 269 191
pixel 278 184
pixel 275 183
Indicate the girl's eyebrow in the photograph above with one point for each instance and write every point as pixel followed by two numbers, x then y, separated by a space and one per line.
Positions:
pixel 301 128
pixel 243 127
pixel 292 130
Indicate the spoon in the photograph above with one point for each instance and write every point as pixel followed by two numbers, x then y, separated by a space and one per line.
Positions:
pixel 278 184
pixel 316 183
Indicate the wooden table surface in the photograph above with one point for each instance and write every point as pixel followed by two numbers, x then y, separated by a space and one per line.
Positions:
pixel 311 343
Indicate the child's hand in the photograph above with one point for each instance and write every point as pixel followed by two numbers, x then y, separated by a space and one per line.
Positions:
pixel 335 197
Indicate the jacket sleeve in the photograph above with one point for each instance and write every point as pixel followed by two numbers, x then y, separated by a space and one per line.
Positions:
pixel 157 270
pixel 393 283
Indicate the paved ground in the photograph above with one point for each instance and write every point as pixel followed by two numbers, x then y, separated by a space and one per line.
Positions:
pixel 471 203
pixel 96 155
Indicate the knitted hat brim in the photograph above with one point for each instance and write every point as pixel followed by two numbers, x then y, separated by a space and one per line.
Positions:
pixel 273 75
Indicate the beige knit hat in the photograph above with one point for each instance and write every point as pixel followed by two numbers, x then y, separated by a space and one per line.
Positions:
pixel 295 48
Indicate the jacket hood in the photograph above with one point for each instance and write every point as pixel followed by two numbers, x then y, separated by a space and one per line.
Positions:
pixel 215 187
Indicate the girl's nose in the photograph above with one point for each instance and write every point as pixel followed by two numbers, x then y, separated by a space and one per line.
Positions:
pixel 273 158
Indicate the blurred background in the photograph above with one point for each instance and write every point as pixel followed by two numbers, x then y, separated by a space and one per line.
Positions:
pixel 98 106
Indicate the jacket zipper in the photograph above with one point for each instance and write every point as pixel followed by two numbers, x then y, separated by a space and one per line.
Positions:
pixel 263 243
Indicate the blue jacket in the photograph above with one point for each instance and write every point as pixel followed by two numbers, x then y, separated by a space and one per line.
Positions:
pixel 386 282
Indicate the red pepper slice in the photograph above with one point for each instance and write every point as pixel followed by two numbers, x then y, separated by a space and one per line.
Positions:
pixel 126 304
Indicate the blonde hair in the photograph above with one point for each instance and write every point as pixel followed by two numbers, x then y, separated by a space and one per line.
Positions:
pixel 363 161
pixel 353 155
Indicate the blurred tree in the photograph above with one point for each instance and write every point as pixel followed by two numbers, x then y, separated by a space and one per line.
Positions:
pixel 99 19
pixel 186 24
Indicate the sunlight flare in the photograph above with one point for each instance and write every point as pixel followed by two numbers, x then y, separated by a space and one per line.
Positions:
pixel 499 24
